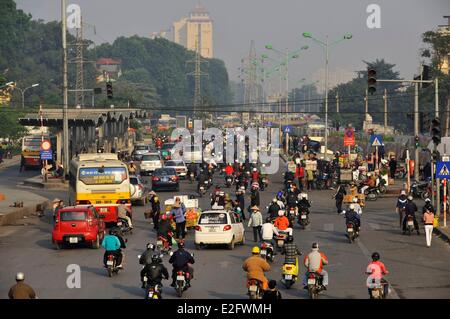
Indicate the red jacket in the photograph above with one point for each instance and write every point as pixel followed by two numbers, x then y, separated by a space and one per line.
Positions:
pixel 255 176
pixel 300 172
pixel 229 170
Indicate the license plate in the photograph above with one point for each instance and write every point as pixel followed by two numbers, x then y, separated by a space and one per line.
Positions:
pixel 303 217
pixel 253 288
pixel 103 209
pixel 159 242
pixel 350 230
pixel 180 278
pixel 73 240
pixel 110 263
pixel 288 277
pixel 212 229
pixel 311 281
pixel 165 179
pixel 410 223
pixel 263 252
pixel 145 278
pixel 280 242
pixel 119 223
pixel 206 182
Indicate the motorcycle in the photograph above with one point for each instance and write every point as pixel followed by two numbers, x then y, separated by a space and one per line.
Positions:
pixel 314 284
pixel 255 290
pixel 264 183
pixel 153 291
pixel 124 227
pixel 303 219
pixel 292 213
pixel 409 224
pixel 181 282
pixel 191 177
pixel 280 240
pixel 266 251
pixel 202 189
pixel 372 193
pixel 163 245
pixel 289 274
pixel 111 265
pixel 377 290
pixel 400 172
pixel 351 232
pixel 420 189
pixel 228 181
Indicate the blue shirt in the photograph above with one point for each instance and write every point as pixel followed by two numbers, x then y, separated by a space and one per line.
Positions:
pixel 111 243
pixel 179 213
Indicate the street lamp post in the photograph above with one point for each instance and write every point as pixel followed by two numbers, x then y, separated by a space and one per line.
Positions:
pixel 326 44
pixel 22 91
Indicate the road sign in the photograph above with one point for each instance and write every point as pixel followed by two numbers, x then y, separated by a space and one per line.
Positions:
pixel 46 145
pixel 46 155
pixel 376 140
pixel 287 128
pixel 443 170
pixel 349 137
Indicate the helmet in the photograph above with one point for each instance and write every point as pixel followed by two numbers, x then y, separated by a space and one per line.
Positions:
pixel 427 200
pixel 315 246
pixel 375 256
pixel 274 200
pixel 410 198
pixel 20 276
pixel 255 250
pixel 355 200
pixel 255 185
pixel 181 244
pixel 254 169
pixel 279 194
pixel 112 231
pixel 156 258
pixel 156 199
pixel 150 246
pixel 163 216
pixel 242 188
pixel 290 239
pixel 221 193
pixel 281 212
pixel 352 206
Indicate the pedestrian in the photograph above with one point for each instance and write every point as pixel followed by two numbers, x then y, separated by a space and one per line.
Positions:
pixel 393 166
pixel 256 222
pixel 22 163
pixel 156 211
pixel 428 220
pixel 240 197
pixel 310 178
pixel 370 163
pixel 178 212
pixel 21 290
pixel 339 197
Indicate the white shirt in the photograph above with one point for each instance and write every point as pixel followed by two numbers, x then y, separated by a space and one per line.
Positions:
pixel 268 230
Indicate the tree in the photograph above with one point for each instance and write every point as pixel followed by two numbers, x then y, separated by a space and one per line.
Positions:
pixel 9 125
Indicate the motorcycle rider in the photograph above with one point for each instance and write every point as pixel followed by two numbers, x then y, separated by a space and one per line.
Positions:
pixel 400 207
pixel 132 168
pixel 255 267
pixel 254 195
pixel 303 204
pixel 180 261
pixel 376 269
pixel 124 212
pixel 229 171
pixel 268 232
pixel 290 251
pixel 255 175
pixel 192 168
pixel 288 176
pixel 273 209
pixel 146 257
pixel 281 223
pixel 21 290
pixel 202 177
pixel 154 271
pixel 240 197
pixel 165 229
pixel 314 262
pixel 357 207
pixel 410 210
pixel 113 244
pixel 281 199
pixel 291 198
pixel 351 216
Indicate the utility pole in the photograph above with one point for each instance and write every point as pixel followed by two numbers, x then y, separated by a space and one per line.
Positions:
pixel 197 74
pixel 65 92
pixel 337 102
pixel 416 130
pixel 385 110
pixel 79 85
pixel 366 100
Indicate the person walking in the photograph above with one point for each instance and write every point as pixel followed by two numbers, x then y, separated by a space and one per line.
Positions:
pixel 428 219
pixel 178 211
pixel 256 222
pixel 22 164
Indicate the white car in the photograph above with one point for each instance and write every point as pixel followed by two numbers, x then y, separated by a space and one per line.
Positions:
pixel 150 162
pixel 218 227
pixel 179 166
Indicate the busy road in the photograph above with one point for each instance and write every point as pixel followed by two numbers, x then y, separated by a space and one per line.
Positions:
pixel 415 271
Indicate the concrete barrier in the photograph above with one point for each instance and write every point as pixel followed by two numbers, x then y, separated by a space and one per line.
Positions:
pixel 9 218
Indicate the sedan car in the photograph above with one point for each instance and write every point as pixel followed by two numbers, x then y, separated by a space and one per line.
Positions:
pixel 165 179
pixel 78 224
pixel 141 149
pixel 179 166
pixel 218 227
pixel 150 162
pixel 139 193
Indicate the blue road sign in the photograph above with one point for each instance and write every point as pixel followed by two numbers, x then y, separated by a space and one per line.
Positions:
pixel 287 128
pixel 376 140
pixel 46 155
pixel 443 170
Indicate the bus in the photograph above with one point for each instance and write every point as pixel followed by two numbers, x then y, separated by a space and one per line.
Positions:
pixel 164 124
pixel 99 179
pixel 31 147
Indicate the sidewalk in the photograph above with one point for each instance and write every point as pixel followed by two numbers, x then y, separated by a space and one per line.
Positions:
pixel 10 215
pixel 441 232
pixel 10 162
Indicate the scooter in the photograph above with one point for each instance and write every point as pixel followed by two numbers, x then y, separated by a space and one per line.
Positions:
pixel 266 251
pixel 228 181
pixel 111 265
pixel 289 274
pixel 255 290
pixel 303 219
pixel 291 215
pixel 351 232
pixel 409 224
pixel 181 283
pixel 280 240
pixel 314 284
pixel 163 245
pixel 124 227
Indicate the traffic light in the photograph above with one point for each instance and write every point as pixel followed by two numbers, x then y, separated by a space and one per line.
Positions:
pixel 109 90
pixel 417 141
pixel 371 80
pixel 436 131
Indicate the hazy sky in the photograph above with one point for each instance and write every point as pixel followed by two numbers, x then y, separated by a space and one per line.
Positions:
pixel 278 22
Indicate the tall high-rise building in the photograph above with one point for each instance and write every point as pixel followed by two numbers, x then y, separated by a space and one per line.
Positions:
pixel 195 31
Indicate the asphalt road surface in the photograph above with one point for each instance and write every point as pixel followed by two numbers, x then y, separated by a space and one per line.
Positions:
pixel 415 270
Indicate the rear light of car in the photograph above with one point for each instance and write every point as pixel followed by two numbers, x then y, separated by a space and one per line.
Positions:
pixel 174 178
pixel 198 228
pixel 227 227
pixel 155 179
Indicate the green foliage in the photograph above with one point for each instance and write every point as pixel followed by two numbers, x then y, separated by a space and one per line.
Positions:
pixel 9 125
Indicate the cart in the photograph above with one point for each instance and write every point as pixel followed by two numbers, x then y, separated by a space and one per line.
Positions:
pixel 192 210
pixel 348 199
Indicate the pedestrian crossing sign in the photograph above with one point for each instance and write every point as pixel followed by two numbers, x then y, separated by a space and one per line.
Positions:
pixel 442 170
pixel 376 140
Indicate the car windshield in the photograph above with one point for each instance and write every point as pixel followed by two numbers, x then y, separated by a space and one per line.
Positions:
pixel 150 158
pixel 102 175
pixel 168 146
pixel 174 163
pixel 72 216
pixel 165 172
pixel 213 218
pixel 134 180
pixel 141 147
